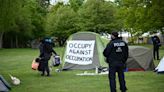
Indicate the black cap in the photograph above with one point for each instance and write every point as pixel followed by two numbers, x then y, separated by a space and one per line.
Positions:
pixel 115 34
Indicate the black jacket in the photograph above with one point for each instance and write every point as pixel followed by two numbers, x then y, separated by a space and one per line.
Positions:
pixel 46 50
pixel 116 52
pixel 156 42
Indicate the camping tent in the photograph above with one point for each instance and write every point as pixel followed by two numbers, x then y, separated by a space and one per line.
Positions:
pixel 140 58
pixel 89 51
pixel 160 67
pixel 4 85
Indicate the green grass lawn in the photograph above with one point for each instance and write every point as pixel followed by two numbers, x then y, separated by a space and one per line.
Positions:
pixel 18 63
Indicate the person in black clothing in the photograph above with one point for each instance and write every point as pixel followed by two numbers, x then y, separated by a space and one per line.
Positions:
pixel 46 50
pixel 156 45
pixel 116 53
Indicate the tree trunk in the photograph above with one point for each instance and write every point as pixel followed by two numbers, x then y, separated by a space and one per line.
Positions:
pixel 60 42
pixel 138 39
pixel 16 41
pixel 1 39
pixel 132 40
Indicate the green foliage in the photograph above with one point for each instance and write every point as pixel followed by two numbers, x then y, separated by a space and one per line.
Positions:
pixel 38 15
pixel 139 16
pixel 92 15
pixel 33 19
pixel 8 14
pixel 76 4
pixel 61 23
pixel 23 18
pixel 96 16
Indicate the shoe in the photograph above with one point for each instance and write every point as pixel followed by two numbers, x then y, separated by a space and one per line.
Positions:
pixel 48 75
pixel 124 90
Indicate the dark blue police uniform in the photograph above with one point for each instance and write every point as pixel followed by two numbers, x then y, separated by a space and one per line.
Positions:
pixel 116 54
pixel 156 45
pixel 46 50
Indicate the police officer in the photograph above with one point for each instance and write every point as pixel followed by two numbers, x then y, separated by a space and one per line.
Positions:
pixel 116 53
pixel 46 50
pixel 156 45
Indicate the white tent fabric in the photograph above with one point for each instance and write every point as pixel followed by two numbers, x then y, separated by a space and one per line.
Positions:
pixel 95 53
pixel 160 67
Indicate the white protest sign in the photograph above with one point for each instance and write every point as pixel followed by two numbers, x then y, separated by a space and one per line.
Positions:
pixel 80 52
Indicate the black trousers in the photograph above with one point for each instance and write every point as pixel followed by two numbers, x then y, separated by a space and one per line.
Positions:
pixel 156 53
pixel 45 67
pixel 112 78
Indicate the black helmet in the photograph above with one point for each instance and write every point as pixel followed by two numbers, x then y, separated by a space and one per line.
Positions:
pixel 48 40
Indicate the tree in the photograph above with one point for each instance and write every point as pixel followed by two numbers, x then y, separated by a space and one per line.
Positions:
pixel 44 3
pixel 25 24
pixel 61 23
pixel 96 16
pixel 141 15
pixel 7 16
pixel 156 15
pixel 76 4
